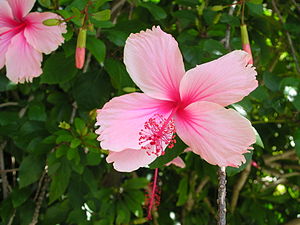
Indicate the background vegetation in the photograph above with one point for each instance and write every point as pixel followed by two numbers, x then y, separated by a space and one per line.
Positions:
pixel 53 170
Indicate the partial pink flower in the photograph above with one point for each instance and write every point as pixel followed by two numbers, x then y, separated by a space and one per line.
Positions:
pixel 247 48
pixel 177 162
pixel 24 37
pixel 137 128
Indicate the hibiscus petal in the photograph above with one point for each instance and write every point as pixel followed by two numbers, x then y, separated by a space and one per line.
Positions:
pixel 20 8
pixel 218 135
pixel 6 15
pixel 4 44
pixel 130 159
pixel 122 118
pixel 177 162
pixel 223 81
pixel 154 62
pixel 43 38
pixel 22 61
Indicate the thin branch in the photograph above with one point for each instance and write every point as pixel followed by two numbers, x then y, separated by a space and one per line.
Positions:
pixel 226 40
pixel 286 155
pixel 191 197
pixel 8 104
pixel 201 185
pixel 40 201
pixel 239 185
pixel 210 208
pixel 5 184
pixel 9 170
pixel 222 196
pixel 288 36
pixel 39 186
pixel 73 114
pixel 11 219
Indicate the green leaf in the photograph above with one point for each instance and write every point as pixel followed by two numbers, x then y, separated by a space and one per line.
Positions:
pixel 56 213
pixel 45 3
pixel 231 20
pixel 157 12
pixel 297 141
pixel 93 158
pixel 256 1
pixel 97 48
pixel 135 183
pixel 19 196
pixel 99 3
pixel 182 191
pixel 6 84
pixel 118 74
pixel 296 102
pixel 123 214
pixel 37 112
pixel 102 15
pixel 75 143
pixel 31 169
pixel 134 207
pixel 60 182
pixel 255 9
pixel 117 37
pixel 259 141
pixel 61 150
pixel 91 90
pixel 272 81
pixel 73 154
pixel 58 69
pixel 80 126
pixel 64 138
pixel 169 155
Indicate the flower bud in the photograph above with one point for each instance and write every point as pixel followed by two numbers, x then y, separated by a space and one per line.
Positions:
pixel 52 22
pixel 245 42
pixel 80 57
pixel 80 48
pixel 217 8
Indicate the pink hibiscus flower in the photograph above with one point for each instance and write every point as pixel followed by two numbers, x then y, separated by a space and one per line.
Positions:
pixel 24 37
pixel 136 128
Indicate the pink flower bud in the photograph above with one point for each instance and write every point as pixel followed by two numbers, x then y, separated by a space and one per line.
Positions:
pixel 80 57
pixel 245 42
pixel 80 48
pixel 254 164
pixel 247 48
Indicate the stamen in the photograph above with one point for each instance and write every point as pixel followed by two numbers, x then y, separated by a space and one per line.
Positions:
pixel 157 133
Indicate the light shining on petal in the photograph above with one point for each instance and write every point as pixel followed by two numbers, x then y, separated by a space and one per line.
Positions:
pixel 154 62
pixel 44 38
pixel 23 62
pixel 122 119
pixel 223 81
pixel 20 8
pixel 218 135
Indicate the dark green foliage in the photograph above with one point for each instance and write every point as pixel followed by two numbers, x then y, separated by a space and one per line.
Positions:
pixel 53 168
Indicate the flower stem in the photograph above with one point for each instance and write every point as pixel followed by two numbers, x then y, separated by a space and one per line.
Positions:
pixel 152 195
pixel 222 196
